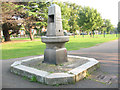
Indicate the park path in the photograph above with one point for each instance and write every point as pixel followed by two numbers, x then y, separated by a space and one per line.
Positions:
pixel 106 53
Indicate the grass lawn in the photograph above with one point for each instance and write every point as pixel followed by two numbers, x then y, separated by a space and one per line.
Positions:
pixel 30 48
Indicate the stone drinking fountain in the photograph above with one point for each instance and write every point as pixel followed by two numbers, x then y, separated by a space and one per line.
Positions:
pixel 55 66
pixel 55 52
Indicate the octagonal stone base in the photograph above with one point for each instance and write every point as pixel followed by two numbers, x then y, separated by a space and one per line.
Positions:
pixel 45 77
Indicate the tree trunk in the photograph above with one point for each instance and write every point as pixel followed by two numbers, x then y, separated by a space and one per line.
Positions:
pixel 1 39
pixel 6 35
pixel 83 34
pixel 79 32
pixel 116 33
pixel 93 33
pixel 30 34
pixel 74 34
pixel 0 36
pixel 104 34
pixel 87 33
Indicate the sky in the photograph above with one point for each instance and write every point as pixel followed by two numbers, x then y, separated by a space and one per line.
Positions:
pixel 107 8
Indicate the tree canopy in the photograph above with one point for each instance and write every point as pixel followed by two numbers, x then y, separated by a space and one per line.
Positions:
pixel 89 19
pixel 33 14
pixel 9 22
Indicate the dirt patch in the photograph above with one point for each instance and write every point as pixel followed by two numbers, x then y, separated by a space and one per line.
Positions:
pixel 71 64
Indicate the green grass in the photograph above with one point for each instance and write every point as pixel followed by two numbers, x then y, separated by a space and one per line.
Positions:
pixel 22 49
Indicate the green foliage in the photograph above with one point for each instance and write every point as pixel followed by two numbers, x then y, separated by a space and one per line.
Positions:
pixel 8 7
pixel 8 22
pixel 87 74
pixel 33 79
pixel 89 19
pixel 57 85
pixel 73 17
pixel 51 72
pixel 20 6
pixel 35 14
pixel 25 77
pixel 109 26
pixel 61 65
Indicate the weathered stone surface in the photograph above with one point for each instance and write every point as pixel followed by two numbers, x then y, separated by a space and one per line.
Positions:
pixel 54 27
pixel 64 67
pixel 29 72
pixel 55 52
pixel 60 78
pixel 81 71
pixel 57 39
pixel 55 56
pixel 16 63
pixel 71 76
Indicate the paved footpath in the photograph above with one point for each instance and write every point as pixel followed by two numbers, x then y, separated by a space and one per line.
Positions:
pixel 106 53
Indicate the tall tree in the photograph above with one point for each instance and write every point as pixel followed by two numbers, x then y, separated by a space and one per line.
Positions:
pixel 73 17
pixel 9 11
pixel 89 19
pixel 109 26
pixel 106 27
pixel 118 27
pixel 35 15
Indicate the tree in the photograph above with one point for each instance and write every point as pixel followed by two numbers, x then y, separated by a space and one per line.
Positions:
pixel 109 26
pixel 73 17
pixel 103 28
pixel 118 27
pixel 9 10
pixel 10 26
pixel 106 26
pixel 89 19
pixel 35 14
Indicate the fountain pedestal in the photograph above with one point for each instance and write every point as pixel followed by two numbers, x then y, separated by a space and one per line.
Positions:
pixel 55 52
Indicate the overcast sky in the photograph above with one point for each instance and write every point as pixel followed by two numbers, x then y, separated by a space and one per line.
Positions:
pixel 107 8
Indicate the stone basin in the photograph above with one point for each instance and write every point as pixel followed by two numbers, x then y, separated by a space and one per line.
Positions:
pixel 55 52
pixel 54 39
